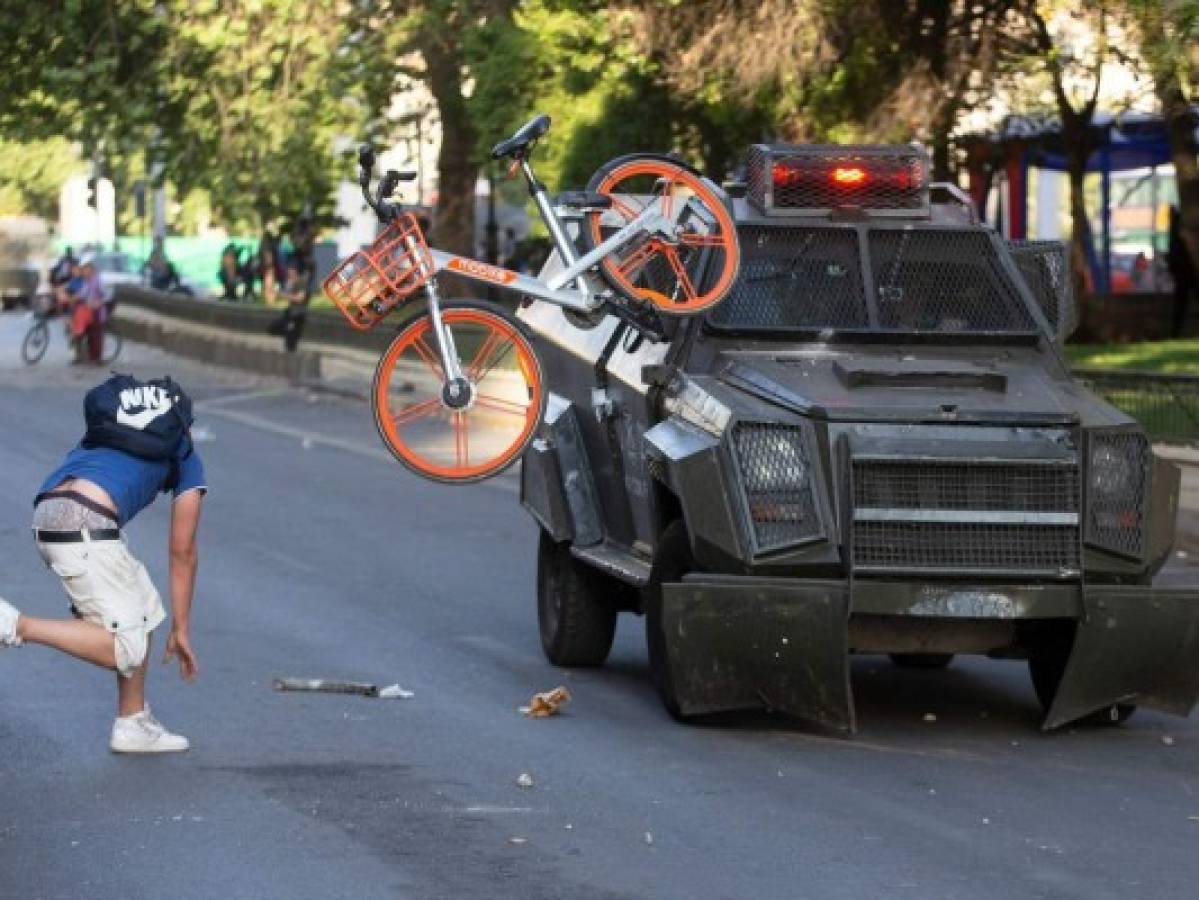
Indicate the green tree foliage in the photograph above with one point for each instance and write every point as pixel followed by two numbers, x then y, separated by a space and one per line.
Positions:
pixel 238 97
pixel 254 101
pixel 80 69
pixel 1169 38
pixel 32 175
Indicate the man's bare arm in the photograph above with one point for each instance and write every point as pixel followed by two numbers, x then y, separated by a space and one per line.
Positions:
pixel 184 559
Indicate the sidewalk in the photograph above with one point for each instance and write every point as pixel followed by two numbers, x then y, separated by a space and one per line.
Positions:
pixel 1187 458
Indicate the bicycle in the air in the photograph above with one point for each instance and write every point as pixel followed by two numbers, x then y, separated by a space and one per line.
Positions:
pixel 37 338
pixel 459 392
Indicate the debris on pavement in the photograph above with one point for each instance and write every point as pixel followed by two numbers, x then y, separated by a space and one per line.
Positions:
pixel 518 840
pixel 395 692
pixel 329 686
pixel 1167 740
pixel 524 780
pixel 930 717
pixel 649 837
pixel 546 703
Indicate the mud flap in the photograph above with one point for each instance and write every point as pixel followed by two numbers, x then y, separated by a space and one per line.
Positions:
pixel 746 643
pixel 1136 645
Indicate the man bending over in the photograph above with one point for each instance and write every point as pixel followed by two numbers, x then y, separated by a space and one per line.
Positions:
pixel 78 514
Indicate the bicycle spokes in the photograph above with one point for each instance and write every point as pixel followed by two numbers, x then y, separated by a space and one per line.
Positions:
pixel 476 431
pixel 683 272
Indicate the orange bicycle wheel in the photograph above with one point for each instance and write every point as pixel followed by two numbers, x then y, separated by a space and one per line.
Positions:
pixel 457 440
pixel 685 273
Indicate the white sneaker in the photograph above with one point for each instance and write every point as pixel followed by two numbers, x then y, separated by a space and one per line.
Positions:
pixel 142 733
pixel 8 625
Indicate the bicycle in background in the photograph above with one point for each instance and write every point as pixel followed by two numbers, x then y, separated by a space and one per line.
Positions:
pixel 46 307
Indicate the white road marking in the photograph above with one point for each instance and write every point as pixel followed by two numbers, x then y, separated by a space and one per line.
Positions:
pixel 281 557
pixel 505 483
pixel 240 398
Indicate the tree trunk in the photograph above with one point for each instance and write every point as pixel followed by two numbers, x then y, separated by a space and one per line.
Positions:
pixel 457 170
pixel 1080 228
pixel 942 129
pixel 1180 122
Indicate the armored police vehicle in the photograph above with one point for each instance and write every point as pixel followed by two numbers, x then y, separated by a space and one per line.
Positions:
pixel 872 445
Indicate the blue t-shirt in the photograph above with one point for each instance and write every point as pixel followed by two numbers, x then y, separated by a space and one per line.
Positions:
pixel 133 483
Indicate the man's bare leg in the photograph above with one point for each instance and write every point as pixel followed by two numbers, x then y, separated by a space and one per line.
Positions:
pixel 83 640
pixel 131 691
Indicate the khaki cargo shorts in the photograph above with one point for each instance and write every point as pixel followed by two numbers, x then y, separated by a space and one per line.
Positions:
pixel 107 586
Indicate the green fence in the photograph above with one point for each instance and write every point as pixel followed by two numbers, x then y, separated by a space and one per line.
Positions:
pixel 196 259
pixel 1166 405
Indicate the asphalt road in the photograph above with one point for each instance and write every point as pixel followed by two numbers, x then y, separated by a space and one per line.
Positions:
pixel 319 557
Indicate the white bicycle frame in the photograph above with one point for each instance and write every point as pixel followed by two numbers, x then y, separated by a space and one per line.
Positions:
pixel 557 289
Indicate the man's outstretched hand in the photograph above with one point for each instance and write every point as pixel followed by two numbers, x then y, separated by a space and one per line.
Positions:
pixel 179 644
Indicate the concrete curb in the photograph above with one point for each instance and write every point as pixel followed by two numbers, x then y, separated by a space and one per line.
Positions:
pixel 211 345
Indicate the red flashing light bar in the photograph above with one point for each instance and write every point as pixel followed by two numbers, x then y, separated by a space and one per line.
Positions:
pixel 791 174
pixel 818 179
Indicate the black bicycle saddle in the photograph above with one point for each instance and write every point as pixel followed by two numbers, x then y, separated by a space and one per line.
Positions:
pixel 519 142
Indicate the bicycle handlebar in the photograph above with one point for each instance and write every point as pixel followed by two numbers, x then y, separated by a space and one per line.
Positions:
pixel 391 179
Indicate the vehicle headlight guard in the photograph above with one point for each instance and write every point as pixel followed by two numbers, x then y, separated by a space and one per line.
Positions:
pixel 1117 480
pixel 774 470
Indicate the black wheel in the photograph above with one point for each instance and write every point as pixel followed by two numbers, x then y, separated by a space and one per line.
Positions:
pixel 37 339
pixel 922 660
pixel 576 607
pixel 112 347
pixel 1047 669
pixel 672 562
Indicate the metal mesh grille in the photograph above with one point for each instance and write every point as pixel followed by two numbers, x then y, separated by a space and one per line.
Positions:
pixel 1117 475
pixel 941 516
pixel 944 281
pixel 788 180
pixel 773 464
pixel 796 278
pixel 998 487
pixel 932 546
pixel 757 175
pixel 1044 266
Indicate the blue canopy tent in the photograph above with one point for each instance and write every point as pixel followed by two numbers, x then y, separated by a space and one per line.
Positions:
pixel 1122 142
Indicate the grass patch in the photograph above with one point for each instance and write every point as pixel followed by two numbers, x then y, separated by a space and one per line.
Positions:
pixel 1164 357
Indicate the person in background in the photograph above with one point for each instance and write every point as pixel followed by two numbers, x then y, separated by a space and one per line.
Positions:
pixel 296 291
pixel 270 266
pixel 1182 270
pixel 160 272
pixel 299 281
pixel 88 311
pixel 61 274
pixel 230 272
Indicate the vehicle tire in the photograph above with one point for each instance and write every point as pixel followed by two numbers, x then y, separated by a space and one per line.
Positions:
pixel 691 272
pixel 576 608
pixel 922 660
pixel 37 339
pixel 672 562
pixel 507 387
pixel 113 344
pixel 1047 669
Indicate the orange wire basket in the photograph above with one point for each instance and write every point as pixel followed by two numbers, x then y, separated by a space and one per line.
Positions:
pixel 370 283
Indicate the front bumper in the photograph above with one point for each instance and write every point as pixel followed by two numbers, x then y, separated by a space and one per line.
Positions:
pixel 737 642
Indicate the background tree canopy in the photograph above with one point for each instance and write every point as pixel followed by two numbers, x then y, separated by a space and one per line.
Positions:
pixel 255 103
